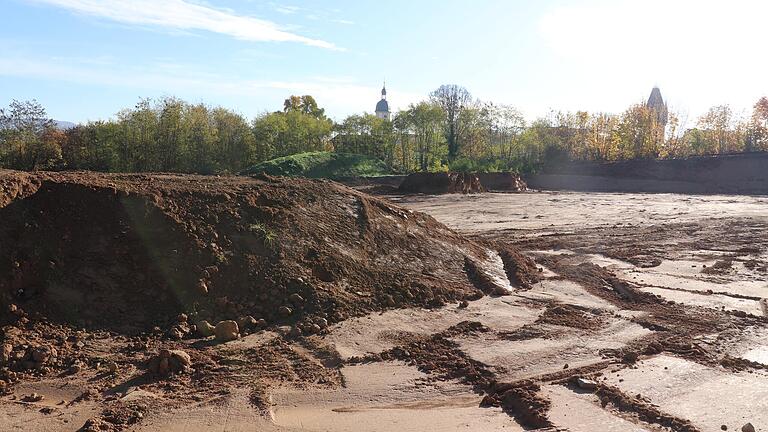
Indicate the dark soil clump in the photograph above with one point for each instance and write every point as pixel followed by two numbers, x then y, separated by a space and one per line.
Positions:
pixel 521 270
pixel 570 316
pixel 644 410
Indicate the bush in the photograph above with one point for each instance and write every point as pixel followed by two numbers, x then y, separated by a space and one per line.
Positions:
pixel 322 165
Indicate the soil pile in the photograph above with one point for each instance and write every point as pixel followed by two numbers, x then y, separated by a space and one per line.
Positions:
pixel 442 183
pixel 130 252
pixel 502 182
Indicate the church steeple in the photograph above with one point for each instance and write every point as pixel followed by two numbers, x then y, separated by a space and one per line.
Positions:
pixel 382 108
pixel 658 106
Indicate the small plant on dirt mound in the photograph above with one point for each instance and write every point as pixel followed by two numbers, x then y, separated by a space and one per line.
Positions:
pixel 268 236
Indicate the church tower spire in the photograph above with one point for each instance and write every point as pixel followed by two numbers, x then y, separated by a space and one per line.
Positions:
pixel 382 108
pixel 658 106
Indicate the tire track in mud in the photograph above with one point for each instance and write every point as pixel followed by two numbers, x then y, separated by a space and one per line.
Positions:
pixel 442 359
pixel 676 327
pixel 638 408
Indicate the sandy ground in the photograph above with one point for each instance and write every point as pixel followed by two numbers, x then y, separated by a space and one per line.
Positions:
pixel 685 235
pixel 566 211
pixel 702 259
pixel 389 398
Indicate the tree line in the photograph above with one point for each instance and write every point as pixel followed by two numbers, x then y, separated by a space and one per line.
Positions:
pixel 450 130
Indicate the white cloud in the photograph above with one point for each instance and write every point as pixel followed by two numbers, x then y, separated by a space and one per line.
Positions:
pixel 185 16
pixel 700 52
pixel 288 10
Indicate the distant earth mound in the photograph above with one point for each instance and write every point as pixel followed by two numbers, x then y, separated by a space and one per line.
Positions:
pixel 440 183
pixel 129 252
pixel 322 165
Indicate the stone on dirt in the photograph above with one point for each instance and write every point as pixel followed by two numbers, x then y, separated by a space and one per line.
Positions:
pixel 204 328
pixel 170 361
pixel 226 331
pixel 295 332
pixel 34 397
pixel 586 384
pixel 42 354
pixel 76 368
pixel 247 323
pixel 5 353
pixel 748 428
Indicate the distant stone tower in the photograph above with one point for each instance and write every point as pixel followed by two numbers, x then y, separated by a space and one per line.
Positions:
pixel 382 107
pixel 657 105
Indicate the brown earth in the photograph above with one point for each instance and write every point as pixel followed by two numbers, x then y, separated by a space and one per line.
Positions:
pixel 128 252
pixel 609 327
pixel 442 183
pixel 108 276
pixel 438 183
pixel 741 173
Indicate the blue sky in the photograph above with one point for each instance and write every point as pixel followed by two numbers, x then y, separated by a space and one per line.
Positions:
pixel 87 59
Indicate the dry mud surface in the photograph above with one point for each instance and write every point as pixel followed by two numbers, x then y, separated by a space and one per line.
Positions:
pixel 535 311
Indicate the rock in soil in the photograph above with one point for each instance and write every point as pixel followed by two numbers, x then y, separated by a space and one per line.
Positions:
pixel 586 384
pixel 170 361
pixel 226 331
pixel 34 397
pixel 205 329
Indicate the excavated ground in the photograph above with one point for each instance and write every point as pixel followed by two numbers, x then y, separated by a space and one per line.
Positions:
pixel 100 273
pixel 576 312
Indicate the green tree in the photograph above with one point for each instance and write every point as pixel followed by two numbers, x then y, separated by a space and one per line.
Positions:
pixel 426 121
pixel 236 142
pixel 170 139
pixel 28 138
pixel 300 127
pixel 304 104
pixel 453 100
pixel 202 140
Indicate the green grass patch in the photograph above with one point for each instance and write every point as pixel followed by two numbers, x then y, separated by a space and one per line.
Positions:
pixel 322 165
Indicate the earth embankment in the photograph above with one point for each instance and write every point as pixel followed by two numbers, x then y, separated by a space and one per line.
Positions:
pixel 724 174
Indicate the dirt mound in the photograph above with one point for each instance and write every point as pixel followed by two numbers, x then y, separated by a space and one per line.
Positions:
pixel 129 252
pixel 502 182
pixel 442 183
pixel 14 185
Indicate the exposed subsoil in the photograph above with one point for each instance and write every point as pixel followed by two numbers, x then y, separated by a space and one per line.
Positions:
pixel 108 278
pixel 442 183
pixel 107 275
pixel 127 252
